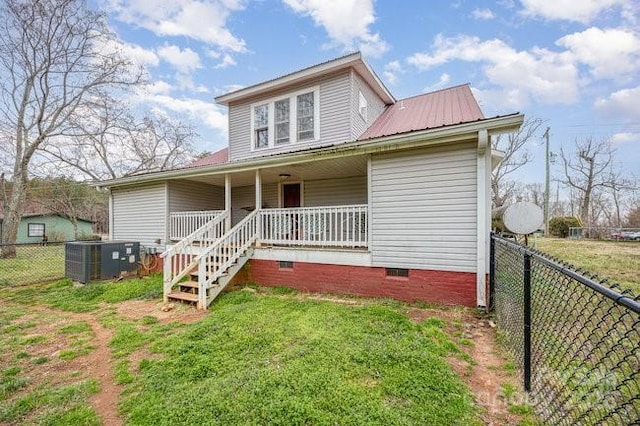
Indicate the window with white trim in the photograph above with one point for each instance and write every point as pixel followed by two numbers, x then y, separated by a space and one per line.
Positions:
pixel 305 116
pixel 362 106
pixel 286 120
pixel 283 121
pixel 35 230
pixel 261 126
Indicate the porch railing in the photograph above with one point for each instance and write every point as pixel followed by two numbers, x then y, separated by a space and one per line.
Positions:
pixel 336 226
pixel 180 258
pixel 217 258
pixel 182 224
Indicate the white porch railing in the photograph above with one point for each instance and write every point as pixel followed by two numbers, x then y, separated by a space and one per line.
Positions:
pixel 339 226
pixel 180 258
pixel 216 259
pixel 182 224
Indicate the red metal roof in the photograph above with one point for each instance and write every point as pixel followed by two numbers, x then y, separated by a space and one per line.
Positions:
pixel 454 105
pixel 218 157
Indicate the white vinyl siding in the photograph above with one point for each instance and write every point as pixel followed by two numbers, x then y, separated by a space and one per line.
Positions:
pixel 243 200
pixel 375 106
pixel 332 97
pixel 139 214
pixel 194 196
pixel 335 192
pixel 424 209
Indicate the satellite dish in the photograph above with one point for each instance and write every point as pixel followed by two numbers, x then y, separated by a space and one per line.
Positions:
pixel 522 218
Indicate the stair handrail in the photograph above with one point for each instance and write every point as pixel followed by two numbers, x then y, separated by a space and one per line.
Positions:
pixel 236 241
pixel 180 258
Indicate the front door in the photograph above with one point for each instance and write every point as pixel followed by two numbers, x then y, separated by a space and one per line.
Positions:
pixel 291 198
pixel 291 195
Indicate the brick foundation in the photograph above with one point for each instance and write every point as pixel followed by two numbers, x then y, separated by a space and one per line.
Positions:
pixel 445 287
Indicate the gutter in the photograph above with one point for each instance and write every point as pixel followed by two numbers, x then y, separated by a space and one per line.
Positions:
pixel 407 140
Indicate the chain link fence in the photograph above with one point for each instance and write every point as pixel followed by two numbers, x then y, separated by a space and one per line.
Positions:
pixel 576 339
pixel 31 263
pixel 38 262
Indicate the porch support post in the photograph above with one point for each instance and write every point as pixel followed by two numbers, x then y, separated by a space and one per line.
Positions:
pixel 484 216
pixel 227 201
pixel 258 187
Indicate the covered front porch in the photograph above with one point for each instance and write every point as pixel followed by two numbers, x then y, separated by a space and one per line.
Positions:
pixel 315 204
pixel 216 222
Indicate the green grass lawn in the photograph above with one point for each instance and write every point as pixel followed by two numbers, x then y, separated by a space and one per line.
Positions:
pixel 33 264
pixel 260 356
pixel 619 261
pixel 266 359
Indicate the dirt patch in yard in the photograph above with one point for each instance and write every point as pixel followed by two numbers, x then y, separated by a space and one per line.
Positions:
pixel 92 358
pixel 164 313
pixel 476 336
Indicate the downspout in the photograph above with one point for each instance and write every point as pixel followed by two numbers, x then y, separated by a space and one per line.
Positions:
pixel 483 217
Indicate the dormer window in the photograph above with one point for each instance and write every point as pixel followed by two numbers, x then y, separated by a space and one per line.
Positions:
pixel 283 121
pixel 261 125
pixel 305 116
pixel 286 120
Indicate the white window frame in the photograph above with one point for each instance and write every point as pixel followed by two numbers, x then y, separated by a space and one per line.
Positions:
pixel 363 106
pixel 293 119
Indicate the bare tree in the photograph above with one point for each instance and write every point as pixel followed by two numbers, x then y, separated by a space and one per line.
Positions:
pixel 53 60
pixel 513 146
pixel 588 175
pixel 69 198
pixel 114 144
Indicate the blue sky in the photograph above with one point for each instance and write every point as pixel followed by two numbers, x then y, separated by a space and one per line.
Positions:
pixel 574 64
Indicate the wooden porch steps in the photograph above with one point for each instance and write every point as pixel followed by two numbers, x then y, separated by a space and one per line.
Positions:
pixel 183 296
pixel 187 291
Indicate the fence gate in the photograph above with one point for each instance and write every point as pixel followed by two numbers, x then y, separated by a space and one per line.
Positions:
pixel 576 340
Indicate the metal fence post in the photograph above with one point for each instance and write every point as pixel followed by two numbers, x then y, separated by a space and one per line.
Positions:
pixel 492 271
pixel 527 321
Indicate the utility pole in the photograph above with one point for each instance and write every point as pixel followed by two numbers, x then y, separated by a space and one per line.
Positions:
pixel 546 184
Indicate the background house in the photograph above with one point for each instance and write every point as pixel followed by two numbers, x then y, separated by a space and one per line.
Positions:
pixel 56 227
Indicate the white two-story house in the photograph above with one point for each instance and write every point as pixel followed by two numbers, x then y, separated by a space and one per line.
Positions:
pixel 328 184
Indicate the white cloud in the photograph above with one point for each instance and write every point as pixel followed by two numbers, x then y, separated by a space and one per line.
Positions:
pixel 610 53
pixel 204 20
pixel 233 87
pixel 206 113
pixel 623 104
pixel 185 61
pixel 571 10
pixel 483 14
pixel 159 87
pixel 391 71
pixel 346 22
pixel 442 82
pixel 136 53
pixel 226 62
pixel 522 76
pixel 625 138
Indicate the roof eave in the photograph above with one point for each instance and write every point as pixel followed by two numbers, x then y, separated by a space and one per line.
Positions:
pixel 387 143
pixel 353 60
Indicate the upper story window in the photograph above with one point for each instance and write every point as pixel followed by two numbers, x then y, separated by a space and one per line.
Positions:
pixel 305 116
pixel 286 120
pixel 283 121
pixel 261 125
pixel 362 106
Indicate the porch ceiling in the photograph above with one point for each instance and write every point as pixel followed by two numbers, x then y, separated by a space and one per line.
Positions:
pixel 325 169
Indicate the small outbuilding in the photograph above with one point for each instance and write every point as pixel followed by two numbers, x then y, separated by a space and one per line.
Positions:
pixel 36 228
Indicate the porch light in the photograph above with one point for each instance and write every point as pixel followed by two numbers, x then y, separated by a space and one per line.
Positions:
pixel 284 176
